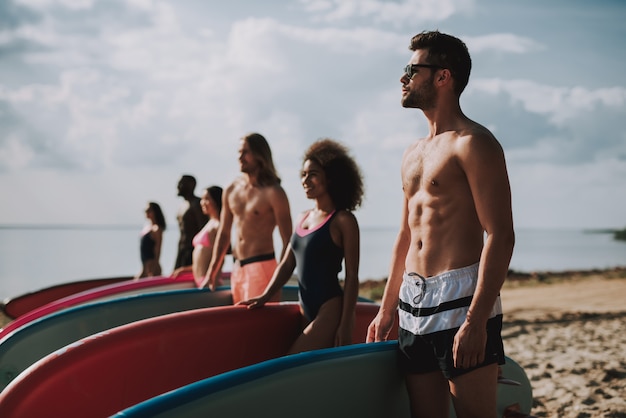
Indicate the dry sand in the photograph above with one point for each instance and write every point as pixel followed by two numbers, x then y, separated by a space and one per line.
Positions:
pixel 570 337
pixel 568 331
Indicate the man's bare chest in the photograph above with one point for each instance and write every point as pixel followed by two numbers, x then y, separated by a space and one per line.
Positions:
pixel 249 204
pixel 428 167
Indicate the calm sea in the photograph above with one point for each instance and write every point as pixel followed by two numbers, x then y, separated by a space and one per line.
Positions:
pixel 32 258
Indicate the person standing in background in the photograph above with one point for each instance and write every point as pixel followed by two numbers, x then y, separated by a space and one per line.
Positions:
pixel 256 203
pixel 190 220
pixel 325 236
pixel 203 241
pixel 150 242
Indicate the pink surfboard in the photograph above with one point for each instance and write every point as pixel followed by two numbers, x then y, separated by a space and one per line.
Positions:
pixel 17 306
pixel 111 291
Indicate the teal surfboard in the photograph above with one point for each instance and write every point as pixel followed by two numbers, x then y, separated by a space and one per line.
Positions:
pixel 354 381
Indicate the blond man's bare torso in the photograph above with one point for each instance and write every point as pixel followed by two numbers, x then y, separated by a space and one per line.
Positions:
pixel 254 218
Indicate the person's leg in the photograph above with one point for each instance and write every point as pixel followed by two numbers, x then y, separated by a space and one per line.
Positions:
pixel 474 394
pixel 237 283
pixel 268 268
pixel 429 395
pixel 257 276
pixel 320 333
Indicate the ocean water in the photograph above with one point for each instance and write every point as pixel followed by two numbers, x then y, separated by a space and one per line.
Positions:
pixel 32 258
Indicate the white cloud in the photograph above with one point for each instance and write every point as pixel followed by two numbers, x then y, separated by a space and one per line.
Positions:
pixel 560 104
pixel 385 124
pixel 68 4
pixel 395 12
pixel 14 154
pixel 504 42
pixel 131 91
pixel 359 40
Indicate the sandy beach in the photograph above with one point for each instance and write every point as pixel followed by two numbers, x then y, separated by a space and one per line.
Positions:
pixel 568 332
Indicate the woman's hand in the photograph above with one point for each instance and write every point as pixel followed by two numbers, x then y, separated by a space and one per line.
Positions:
pixel 343 336
pixel 254 302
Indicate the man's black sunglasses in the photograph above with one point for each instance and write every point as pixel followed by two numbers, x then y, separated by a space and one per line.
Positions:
pixel 409 70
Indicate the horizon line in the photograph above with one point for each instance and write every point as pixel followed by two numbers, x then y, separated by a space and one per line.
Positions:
pixel 85 226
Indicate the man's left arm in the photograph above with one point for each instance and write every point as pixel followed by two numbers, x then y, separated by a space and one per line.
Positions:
pixel 485 169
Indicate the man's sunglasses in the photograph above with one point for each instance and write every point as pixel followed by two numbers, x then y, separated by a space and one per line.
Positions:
pixel 409 70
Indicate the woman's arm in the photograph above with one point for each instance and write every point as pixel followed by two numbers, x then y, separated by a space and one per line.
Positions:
pixel 157 235
pixel 350 242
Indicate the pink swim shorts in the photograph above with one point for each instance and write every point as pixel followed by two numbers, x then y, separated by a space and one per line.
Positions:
pixel 250 277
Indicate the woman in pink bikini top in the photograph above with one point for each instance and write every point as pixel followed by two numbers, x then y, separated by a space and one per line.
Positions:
pixel 211 203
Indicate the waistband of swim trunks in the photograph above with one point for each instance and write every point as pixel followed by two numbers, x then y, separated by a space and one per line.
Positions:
pixel 444 277
pixel 256 259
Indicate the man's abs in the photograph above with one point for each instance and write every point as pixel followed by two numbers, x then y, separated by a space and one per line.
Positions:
pixel 433 251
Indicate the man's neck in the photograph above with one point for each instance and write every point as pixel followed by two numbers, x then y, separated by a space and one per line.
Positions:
pixel 251 179
pixel 444 117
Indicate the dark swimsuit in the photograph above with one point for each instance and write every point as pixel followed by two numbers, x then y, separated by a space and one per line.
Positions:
pixel 146 247
pixel 318 261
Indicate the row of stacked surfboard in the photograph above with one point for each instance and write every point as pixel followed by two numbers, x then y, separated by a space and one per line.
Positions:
pixel 161 347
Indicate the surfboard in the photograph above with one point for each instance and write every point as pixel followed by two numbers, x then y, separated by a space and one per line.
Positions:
pixel 362 381
pixel 26 345
pixel 17 306
pixel 112 370
pixel 106 292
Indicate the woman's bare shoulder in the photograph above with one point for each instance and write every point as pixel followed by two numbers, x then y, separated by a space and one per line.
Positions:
pixel 345 217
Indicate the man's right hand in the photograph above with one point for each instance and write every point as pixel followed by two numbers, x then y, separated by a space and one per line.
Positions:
pixel 379 328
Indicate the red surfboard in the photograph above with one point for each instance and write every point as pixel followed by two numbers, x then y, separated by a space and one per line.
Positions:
pixel 115 369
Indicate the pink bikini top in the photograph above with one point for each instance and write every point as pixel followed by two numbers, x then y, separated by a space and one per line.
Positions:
pixel 201 239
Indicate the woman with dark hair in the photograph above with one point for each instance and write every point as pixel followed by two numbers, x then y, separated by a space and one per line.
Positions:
pixel 211 203
pixel 325 236
pixel 150 242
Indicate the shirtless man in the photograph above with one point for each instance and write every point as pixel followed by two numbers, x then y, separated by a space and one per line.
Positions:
pixel 257 204
pixel 454 245
pixel 190 218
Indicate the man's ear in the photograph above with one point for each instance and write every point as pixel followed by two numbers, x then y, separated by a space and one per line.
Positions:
pixel 444 75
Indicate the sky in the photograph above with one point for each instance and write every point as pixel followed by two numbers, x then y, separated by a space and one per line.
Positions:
pixel 105 104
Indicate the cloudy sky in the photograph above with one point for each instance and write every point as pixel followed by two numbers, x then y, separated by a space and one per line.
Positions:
pixel 105 103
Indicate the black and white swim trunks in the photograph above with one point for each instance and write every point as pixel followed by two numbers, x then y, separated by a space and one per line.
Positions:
pixel 431 310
